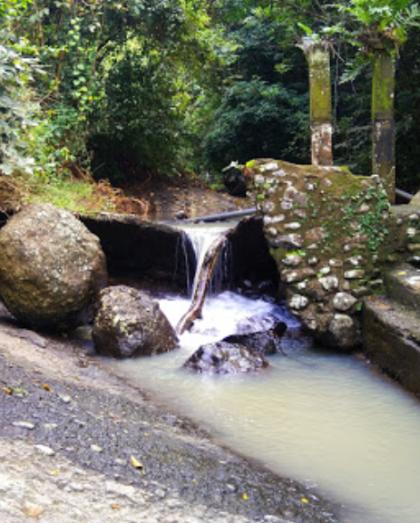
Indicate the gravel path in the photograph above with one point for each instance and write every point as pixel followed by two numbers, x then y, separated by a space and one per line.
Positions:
pixel 79 445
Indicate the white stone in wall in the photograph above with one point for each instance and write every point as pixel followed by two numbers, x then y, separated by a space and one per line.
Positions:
pixel 293 226
pixel 329 283
pixel 271 220
pixel 356 274
pixel 325 270
pixel 343 301
pixel 271 166
pixel 298 302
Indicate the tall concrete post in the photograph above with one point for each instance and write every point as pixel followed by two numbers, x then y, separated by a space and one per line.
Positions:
pixel 318 57
pixel 383 124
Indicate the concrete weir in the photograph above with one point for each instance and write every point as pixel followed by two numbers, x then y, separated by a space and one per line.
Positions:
pixel 391 326
pixel 341 248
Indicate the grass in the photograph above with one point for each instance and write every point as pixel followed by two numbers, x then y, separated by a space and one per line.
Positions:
pixel 76 196
pixel 80 196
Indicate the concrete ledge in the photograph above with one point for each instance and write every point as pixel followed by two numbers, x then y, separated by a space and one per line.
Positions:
pixel 391 337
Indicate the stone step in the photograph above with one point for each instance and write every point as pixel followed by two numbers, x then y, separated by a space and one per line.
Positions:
pixel 391 337
pixel 403 285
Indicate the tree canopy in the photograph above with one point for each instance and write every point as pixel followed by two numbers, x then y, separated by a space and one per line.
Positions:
pixel 127 87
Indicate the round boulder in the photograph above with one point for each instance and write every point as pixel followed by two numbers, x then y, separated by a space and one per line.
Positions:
pixel 51 267
pixel 130 323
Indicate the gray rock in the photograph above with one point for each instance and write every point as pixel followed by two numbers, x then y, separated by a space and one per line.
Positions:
pixel 335 262
pixel 293 276
pixel 414 247
pixel 292 226
pixel 51 267
pixel 355 274
pixel 343 301
pixel 129 323
pixel 298 302
pixel 286 205
pixel 292 260
pixel 270 220
pixel 225 358
pixel 344 331
pixel 43 449
pixel 24 425
pixel 317 234
pixel 263 342
pixel 324 271
pixel 355 260
pixel 411 232
pixel 329 283
pixel 292 241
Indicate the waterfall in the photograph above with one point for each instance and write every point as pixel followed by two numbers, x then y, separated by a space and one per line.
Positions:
pixel 209 245
pixel 202 236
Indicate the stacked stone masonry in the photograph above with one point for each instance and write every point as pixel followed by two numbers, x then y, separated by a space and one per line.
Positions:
pixel 331 233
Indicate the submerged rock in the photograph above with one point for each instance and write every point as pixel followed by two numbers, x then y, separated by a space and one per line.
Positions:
pixel 51 267
pixel 263 342
pixel 130 323
pixel 225 358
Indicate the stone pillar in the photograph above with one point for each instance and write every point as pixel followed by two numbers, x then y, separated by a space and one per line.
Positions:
pixel 318 57
pixel 383 125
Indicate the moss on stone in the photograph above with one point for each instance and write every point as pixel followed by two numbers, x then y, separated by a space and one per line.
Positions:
pixel 383 85
pixel 318 56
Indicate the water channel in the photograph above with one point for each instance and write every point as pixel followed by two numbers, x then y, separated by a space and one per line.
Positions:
pixel 328 420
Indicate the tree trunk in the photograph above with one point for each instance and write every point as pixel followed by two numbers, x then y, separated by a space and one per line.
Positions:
pixel 318 57
pixel 383 125
pixel 203 283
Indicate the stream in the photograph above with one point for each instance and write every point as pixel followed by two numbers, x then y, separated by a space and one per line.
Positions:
pixel 327 420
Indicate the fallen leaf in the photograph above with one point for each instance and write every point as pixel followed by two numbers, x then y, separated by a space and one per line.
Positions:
pixel 135 463
pixel 304 500
pixel 245 496
pixel 46 387
pixel 32 511
pixel 7 390
pixel 115 506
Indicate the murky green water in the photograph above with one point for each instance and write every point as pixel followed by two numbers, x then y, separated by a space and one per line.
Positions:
pixel 325 420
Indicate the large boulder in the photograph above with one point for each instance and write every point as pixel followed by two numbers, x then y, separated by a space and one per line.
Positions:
pixel 225 358
pixel 51 267
pixel 130 323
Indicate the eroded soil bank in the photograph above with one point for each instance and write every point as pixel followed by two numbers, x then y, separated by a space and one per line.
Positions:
pixel 68 432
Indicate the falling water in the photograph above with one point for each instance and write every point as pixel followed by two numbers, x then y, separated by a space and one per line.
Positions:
pixel 202 237
pixel 325 419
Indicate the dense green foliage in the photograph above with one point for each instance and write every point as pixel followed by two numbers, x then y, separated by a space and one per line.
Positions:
pixel 125 87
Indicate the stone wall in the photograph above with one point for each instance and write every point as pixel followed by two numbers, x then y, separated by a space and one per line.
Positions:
pixel 330 233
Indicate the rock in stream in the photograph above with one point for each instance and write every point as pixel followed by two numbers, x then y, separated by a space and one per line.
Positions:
pixel 225 358
pixel 130 323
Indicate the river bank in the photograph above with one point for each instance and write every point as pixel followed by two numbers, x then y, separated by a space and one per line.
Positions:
pixel 69 431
